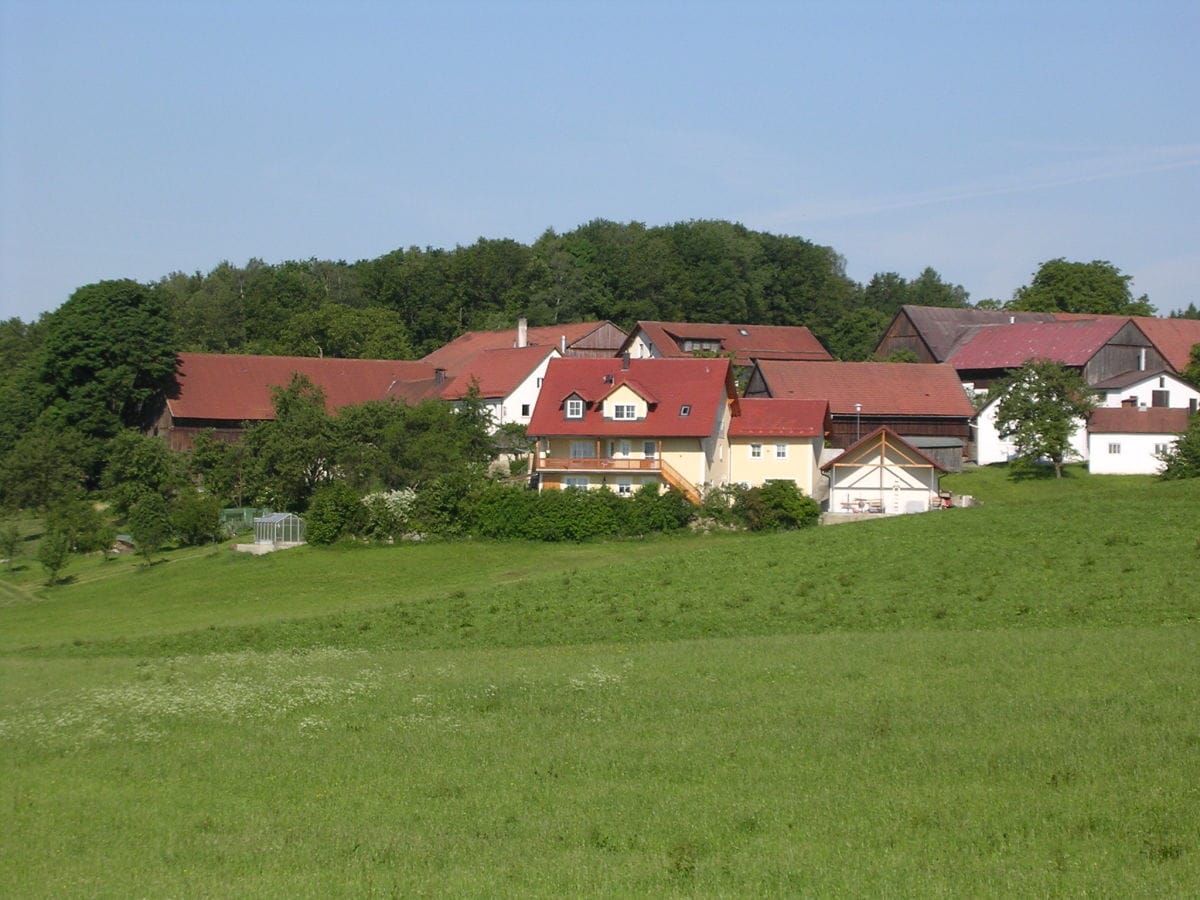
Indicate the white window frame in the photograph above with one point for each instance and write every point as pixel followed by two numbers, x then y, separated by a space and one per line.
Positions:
pixel 574 408
pixel 624 487
pixel 1114 449
pixel 649 450
pixel 579 482
pixel 525 410
pixel 781 451
pixel 624 411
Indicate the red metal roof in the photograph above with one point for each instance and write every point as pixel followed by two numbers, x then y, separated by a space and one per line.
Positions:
pixel 768 417
pixel 1131 420
pixel 877 436
pixel 892 389
pixel 1174 338
pixel 498 372
pixel 238 388
pixel 702 385
pixel 746 342
pixel 456 356
pixel 1011 346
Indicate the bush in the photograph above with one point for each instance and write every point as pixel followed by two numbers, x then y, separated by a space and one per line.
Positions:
pixel 335 510
pixel 1182 460
pixel 196 517
pixel 150 524
pixel 387 513
pixel 776 505
pixel 53 552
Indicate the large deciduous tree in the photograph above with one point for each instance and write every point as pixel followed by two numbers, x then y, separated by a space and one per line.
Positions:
pixel 1182 459
pixel 1041 406
pixel 1096 287
pixel 107 357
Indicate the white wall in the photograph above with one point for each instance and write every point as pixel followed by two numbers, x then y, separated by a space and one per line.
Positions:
pixel 1181 393
pixel 526 393
pixel 991 448
pixel 1136 455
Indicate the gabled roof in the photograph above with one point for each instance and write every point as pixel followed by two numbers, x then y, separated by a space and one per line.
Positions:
pixel 1130 420
pixel 1069 343
pixel 882 389
pixel 769 417
pixel 702 385
pixel 1129 379
pixel 1172 337
pixel 455 356
pixel 497 372
pixel 238 388
pixel 745 342
pixel 942 327
pixel 880 435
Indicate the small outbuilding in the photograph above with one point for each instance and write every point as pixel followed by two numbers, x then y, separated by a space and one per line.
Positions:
pixel 883 473
pixel 277 531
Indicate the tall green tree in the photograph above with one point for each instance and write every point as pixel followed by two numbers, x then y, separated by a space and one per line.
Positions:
pixel 1075 287
pixel 1182 459
pixel 1041 406
pixel 296 451
pixel 1191 372
pixel 108 356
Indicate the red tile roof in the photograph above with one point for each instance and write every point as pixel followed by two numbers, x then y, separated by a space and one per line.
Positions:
pixel 746 342
pixel 455 356
pixel 877 435
pixel 498 372
pixel 1130 420
pixel 238 388
pixel 1011 346
pixel 912 389
pixel 703 385
pixel 768 417
pixel 1174 338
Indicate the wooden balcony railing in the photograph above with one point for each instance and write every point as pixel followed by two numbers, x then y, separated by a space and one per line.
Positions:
pixel 596 464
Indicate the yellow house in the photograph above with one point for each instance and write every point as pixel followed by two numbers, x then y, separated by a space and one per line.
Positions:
pixel 621 423
pixel 779 440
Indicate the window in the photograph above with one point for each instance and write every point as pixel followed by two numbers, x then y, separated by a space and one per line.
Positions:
pixel 649 449
pixel 1114 449
pixel 756 451
pixel 574 408
pixel 576 481
pixel 1160 449
pixel 685 410
pixel 525 410
pixel 539 382
pixel 583 450
pixel 624 487
pixel 743 332
pixel 624 411
pixel 1160 398
pixel 1162 381
pixel 781 451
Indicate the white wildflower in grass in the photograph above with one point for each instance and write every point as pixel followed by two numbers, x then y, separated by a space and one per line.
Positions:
pixel 595 679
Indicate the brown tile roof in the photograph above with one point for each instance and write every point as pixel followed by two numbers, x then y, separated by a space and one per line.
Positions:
pixel 702 385
pixel 912 389
pixel 1130 420
pixel 238 388
pixel 497 372
pixel 767 416
pixel 1174 338
pixel 455 356
pixel 746 342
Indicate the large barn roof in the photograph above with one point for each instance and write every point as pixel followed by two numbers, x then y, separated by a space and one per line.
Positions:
pixel 496 372
pixel 1174 338
pixel 1069 343
pixel 455 356
pixel 891 389
pixel 238 388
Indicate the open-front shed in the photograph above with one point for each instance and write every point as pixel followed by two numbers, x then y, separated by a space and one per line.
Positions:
pixel 883 473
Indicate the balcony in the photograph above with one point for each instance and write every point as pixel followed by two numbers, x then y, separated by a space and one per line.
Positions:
pixel 596 464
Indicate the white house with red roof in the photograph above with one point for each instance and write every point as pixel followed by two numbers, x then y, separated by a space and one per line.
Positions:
pixel 1130 440
pixel 779 440
pixel 622 423
pixel 743 343
pixel 508 381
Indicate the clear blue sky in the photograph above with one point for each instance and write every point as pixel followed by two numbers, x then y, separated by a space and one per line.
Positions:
pixel 141 138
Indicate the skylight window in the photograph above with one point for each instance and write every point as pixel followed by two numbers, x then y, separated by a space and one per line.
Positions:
pixel 743 332
pixel 685 410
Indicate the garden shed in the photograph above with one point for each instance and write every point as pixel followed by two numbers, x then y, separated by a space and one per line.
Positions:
pixel 883 473
pixel 279 530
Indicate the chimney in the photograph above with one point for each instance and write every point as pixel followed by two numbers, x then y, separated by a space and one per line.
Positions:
pixel 562 345
pixel 624 362
pixel 522 332
pixel 439 377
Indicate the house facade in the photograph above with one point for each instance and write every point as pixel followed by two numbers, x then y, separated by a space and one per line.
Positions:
pixel 1130 440
pixel 779 440
pixel 508 382
pixel 882 474
pixel 621 423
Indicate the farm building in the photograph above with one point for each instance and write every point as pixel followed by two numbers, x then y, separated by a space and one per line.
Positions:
pixel 883 474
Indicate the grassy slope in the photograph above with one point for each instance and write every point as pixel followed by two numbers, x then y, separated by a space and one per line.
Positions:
pixel 1015 713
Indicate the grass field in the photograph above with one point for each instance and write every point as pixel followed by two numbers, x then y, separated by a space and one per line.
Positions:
pixel 988 701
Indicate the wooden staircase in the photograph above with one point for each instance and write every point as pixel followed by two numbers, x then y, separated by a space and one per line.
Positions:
pixel 677 481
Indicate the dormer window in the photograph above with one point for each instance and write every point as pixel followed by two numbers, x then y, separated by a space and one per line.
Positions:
pixel 685 410
pixel 574 408
pixel 624 411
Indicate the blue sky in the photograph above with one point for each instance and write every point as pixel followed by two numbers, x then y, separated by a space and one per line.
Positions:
pixel 141 138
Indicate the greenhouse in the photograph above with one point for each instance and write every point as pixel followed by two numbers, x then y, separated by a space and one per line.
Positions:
pixel 279 529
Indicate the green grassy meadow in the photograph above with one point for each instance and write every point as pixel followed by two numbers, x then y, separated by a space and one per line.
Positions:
pixel 991 701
